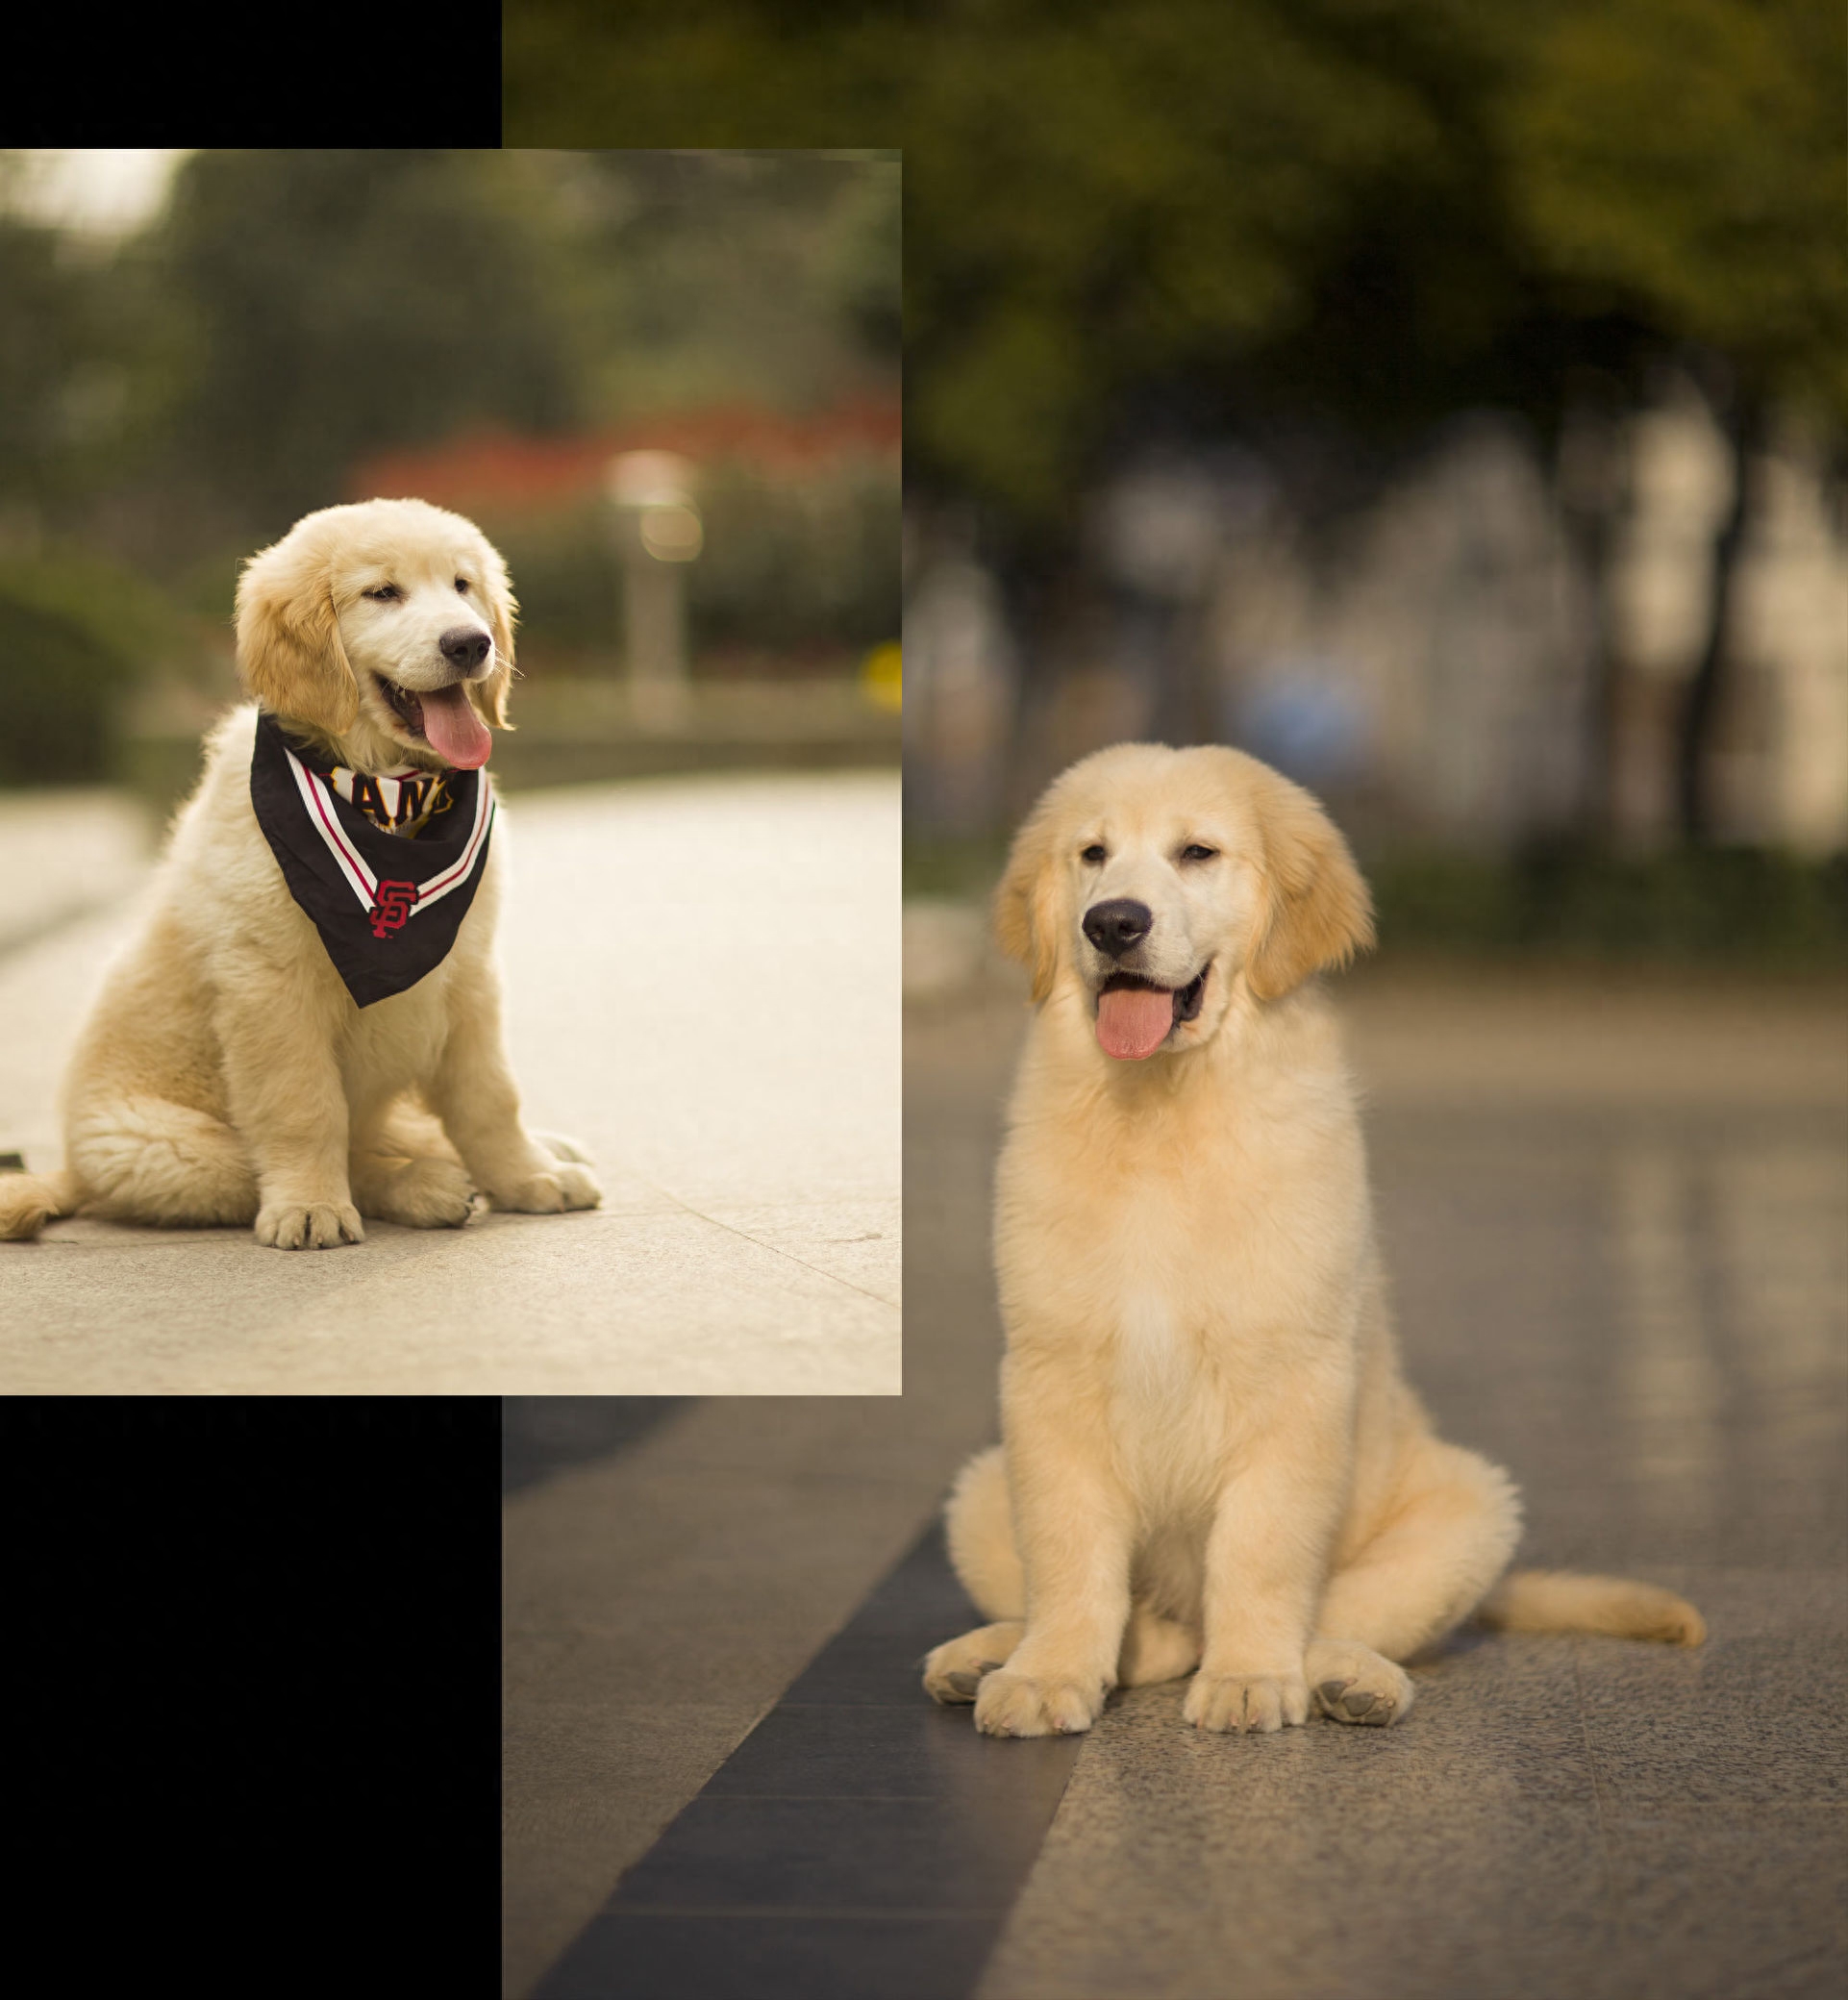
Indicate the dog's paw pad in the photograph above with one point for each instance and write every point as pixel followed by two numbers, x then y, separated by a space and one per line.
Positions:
pixel 965 1684
pixel 1365 1688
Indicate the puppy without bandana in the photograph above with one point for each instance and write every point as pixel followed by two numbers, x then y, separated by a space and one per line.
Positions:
pixel 1212 1463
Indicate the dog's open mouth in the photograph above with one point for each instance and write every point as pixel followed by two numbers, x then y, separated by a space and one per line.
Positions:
pixel 1135 1016
pixel 445 718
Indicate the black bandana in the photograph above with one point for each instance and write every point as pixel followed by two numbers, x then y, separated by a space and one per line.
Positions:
pixel 388 905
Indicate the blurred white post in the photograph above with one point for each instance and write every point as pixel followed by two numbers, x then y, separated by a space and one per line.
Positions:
pixel 658 529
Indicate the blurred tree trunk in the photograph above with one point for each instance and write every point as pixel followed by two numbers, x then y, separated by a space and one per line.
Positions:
pixel 1744 425
pixel 1593 483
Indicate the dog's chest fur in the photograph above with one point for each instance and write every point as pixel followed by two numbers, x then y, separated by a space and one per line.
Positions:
pixel 1185 1251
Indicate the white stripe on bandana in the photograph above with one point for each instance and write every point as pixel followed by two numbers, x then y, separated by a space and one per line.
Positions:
pixel 364 882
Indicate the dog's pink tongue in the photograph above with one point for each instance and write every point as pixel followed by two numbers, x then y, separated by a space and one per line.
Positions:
pixel 1134 1021
pixel 457 734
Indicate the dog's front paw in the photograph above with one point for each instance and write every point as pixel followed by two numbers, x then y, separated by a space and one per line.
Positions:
pixel 1012 1705
pixel 562 1185
pixel 1248 1703
pixel 1354 1684
pixel 321 1225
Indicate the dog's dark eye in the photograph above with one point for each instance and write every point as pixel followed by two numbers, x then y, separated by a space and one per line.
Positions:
pixel 1094 854
pixel 461 584
pixel 386 593
pixel 1196 853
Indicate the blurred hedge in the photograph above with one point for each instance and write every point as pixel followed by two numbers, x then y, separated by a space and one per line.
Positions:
pixel 77 635
pixel 1716 906
pixel 1711 904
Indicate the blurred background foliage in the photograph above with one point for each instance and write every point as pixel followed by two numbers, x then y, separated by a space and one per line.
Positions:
pixel 1460 389
pixel 1366 212
pixel 271 331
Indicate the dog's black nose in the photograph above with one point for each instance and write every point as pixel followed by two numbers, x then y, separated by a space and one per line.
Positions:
pixel 1119 925
pixel 465 646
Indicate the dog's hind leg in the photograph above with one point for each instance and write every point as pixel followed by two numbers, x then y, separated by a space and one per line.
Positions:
pixel 146 1159
pixel 978 1523
pixel 1430 1564
pixel 403 1169
pixel 979 1526
pixel 953 1671
pixel 29 1201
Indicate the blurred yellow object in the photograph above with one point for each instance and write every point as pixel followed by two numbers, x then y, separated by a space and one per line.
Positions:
pixel 881 679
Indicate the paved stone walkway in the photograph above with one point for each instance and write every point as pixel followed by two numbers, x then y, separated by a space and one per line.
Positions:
pixel 702 980
pixel 1612 1216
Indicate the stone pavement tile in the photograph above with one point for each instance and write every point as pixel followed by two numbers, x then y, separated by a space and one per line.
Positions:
pixel 806 1879
pixel 589 1785
pixel 45 991
pixel 655 1303
pixel 587 1753
pixel 1623 1526
pixel 1755 1911
pixel 699 1568
pixel 1479 1037
pixel 860 1243
pixel 701 989
pixel 728 1026
pixel 915 1440
pixel 544 1436
pixel 1736 1732
pixel 843 1749
pixel 635 1955
pixel 683 1583
pixel 66 851
pixel 901 1855
pixel 1304 1864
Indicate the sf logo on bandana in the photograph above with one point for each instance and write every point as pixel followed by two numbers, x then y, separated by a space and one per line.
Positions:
pixel 395 902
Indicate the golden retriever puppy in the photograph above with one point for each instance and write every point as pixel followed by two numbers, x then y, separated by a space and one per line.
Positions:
pixel 1212 1463
pixel 308 1028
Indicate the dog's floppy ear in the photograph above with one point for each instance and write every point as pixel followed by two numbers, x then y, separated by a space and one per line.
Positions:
pixel 288 637
pixel 1317 912
pixel 489 694
pixel 1026 904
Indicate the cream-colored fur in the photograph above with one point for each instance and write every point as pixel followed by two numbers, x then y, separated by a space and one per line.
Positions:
pixel 225 1075
pixel 1213 1462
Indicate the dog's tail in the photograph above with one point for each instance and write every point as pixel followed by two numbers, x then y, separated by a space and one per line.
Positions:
pixel 1555 1600
pixel 29 1201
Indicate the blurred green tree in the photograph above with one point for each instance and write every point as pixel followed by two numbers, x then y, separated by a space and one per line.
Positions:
pixel 726 73
pixel 737 275
pixel 1679 163
pixel 84 360
pixel 342 301
pixel 1358 216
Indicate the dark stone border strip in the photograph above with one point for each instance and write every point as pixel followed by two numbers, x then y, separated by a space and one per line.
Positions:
pixel 860 1844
